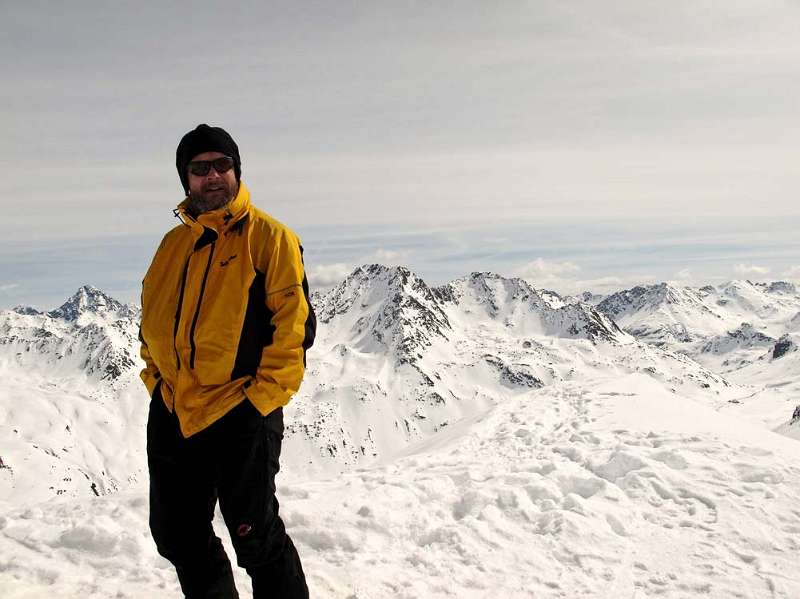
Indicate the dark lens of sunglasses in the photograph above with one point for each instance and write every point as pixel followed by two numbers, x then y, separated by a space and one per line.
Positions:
pixel 202 167
pixel 223 165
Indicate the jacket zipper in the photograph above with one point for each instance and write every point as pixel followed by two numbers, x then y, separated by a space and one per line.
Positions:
pixel 199 303
pixel 178 313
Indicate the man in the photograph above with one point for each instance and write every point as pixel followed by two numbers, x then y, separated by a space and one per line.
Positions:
pixel 226 322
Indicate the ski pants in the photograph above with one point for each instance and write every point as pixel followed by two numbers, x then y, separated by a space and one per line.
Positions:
pixel 235 461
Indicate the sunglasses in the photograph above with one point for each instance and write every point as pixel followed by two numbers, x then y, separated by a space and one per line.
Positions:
pixel 201 168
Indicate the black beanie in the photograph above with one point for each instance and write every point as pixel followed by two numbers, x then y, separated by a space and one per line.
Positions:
pixel 205 139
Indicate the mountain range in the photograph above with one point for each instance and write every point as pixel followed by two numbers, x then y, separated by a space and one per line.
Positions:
pixel 487 435
pixel 395 361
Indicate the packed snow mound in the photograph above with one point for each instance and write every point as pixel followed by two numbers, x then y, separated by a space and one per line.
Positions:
pixel 607 487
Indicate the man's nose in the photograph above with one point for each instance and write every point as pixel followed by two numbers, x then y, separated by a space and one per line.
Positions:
pixel 212 173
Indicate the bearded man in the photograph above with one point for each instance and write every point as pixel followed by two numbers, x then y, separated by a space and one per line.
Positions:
pixel 226 322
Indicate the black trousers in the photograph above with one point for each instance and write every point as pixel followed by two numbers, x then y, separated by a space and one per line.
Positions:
pixel 235 461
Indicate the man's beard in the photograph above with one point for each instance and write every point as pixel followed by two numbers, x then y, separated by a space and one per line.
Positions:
pixel 207 201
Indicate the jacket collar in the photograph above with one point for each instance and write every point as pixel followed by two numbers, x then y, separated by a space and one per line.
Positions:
pixel 221 219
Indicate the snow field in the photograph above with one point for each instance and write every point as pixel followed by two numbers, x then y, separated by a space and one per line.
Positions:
pixel 61 439
pixel 610 488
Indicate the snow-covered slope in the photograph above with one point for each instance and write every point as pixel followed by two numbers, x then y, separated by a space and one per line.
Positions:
pixel 608 487
pixel 487 436
pixel 742 330
pixel 396 361
pixel 70 402
pixel 666 314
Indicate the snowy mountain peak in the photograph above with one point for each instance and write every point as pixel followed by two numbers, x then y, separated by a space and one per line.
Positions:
pixel 649 297
pixel 380 307
pixel 86 299
pixel 490 291
pixel 370 283
pixel 90 333
pixel 518 306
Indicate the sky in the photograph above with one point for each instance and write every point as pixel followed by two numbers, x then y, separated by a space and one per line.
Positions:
pixel 582 145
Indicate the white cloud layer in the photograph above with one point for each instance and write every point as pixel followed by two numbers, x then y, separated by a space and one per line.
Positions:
pixel 323 276
pixel 792 273
pixel 468 116
pixel 563 278
pixel 751 269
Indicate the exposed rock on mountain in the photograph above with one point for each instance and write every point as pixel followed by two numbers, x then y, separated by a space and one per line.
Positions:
pixel 745 336
pixel 783 346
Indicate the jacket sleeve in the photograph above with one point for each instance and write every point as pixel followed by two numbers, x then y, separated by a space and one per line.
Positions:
pixel 283 362
pixel 150 375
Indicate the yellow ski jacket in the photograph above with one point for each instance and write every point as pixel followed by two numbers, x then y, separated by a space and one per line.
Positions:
pixel 225 314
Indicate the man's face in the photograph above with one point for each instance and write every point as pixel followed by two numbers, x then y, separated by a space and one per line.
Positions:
pixel 211 191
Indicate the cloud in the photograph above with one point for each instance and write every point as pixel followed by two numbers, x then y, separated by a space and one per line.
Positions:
pixel 792 273
pixel 545 274
pixel 8 287
pixel 750 270
pixel 683 275
pixel 323 276
pixel 610 284
pixel 562 278
pixel 541 268
pixel 387 257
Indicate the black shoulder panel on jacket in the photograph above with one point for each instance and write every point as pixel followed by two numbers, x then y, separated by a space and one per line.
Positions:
pixel 311 319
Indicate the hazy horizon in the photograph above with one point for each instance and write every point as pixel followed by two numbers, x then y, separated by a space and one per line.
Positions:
pixel 603 144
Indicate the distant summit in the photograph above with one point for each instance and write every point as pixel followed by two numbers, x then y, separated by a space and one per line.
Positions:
pixel 90 332
pixel 781 287
pixel 26 310
pixel 385 308
pixel 520 307
pixel 86 299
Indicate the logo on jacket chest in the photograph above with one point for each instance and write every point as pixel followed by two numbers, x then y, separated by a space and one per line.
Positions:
pixel 224 263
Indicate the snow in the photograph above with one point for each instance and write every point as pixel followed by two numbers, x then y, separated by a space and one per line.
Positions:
pixel 604 488
pixel 496 455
